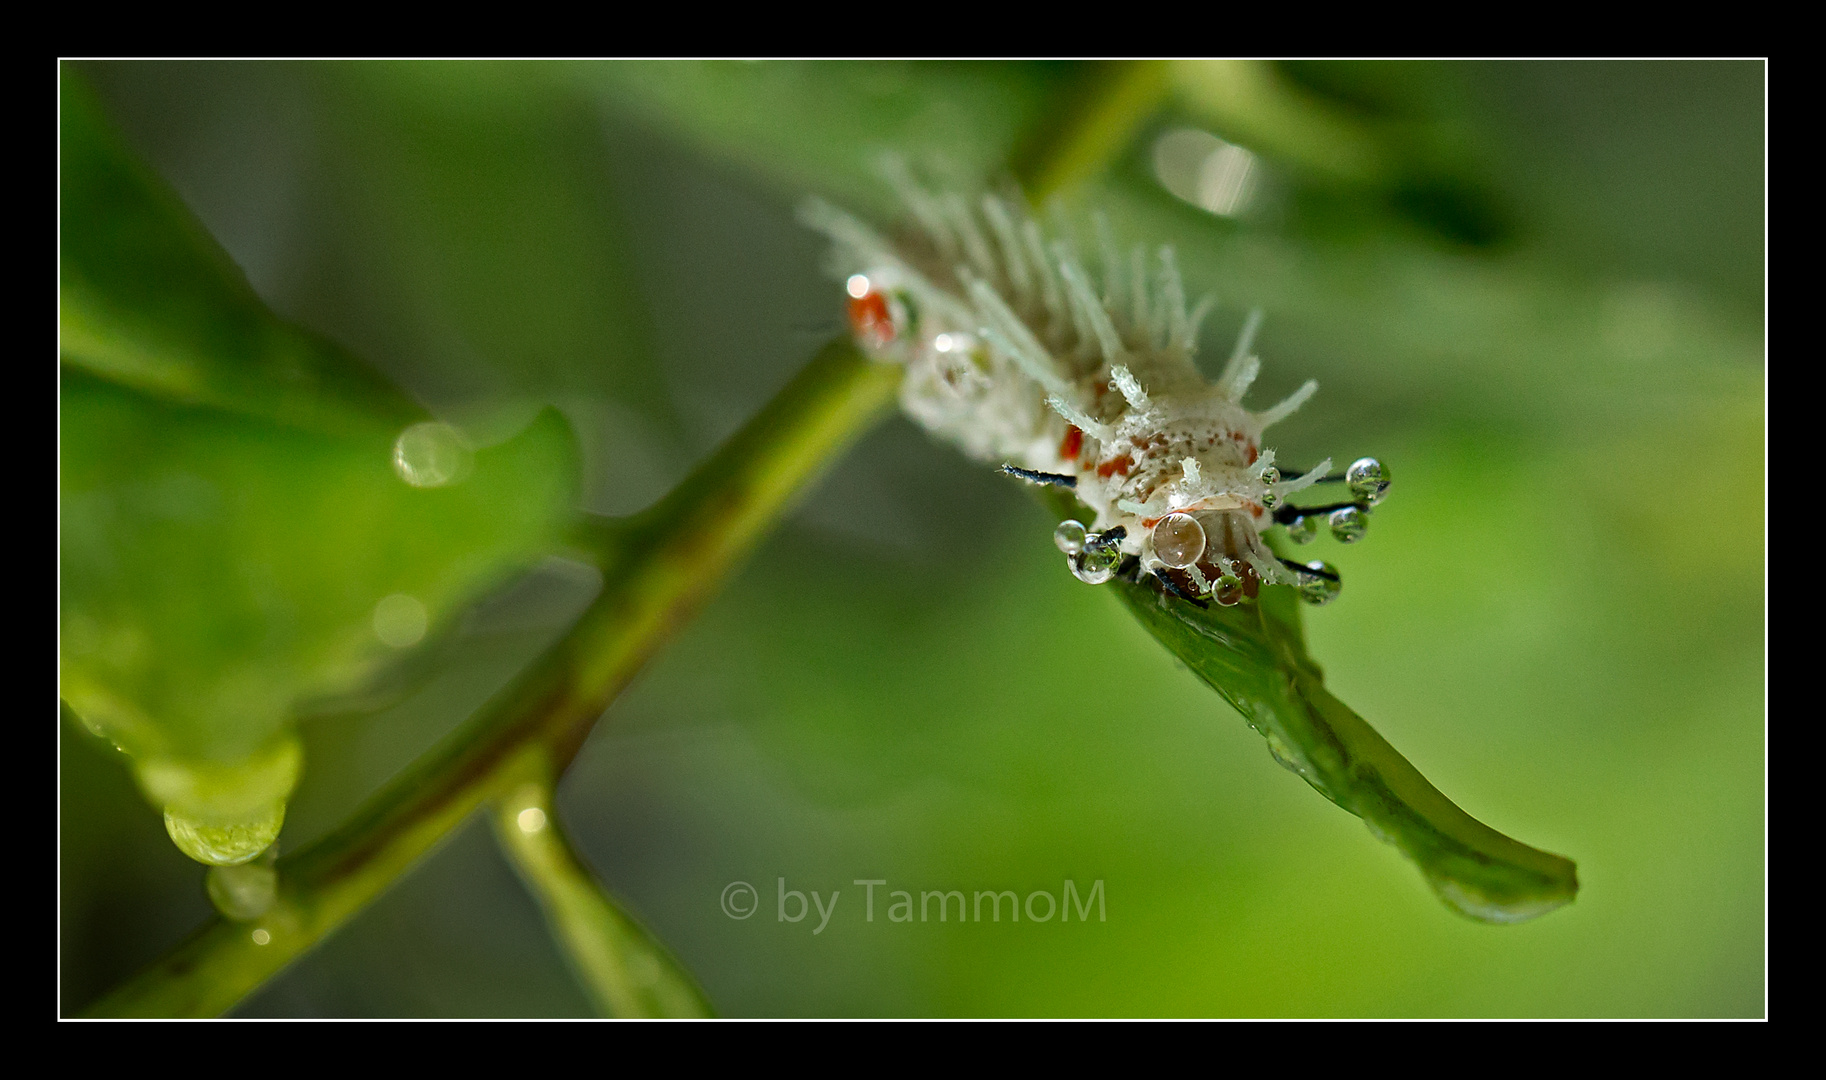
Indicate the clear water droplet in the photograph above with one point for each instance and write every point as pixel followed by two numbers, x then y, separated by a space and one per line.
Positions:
pixel 1270 500
pixel 1228 591
pixel 1284 755
pixel 1367 479
pixel 1179 540
pixel 1315 589
pixel 1088 573
pixel 1349 524
pixel 1069 536
pixel 1097 563
pixel 1271 475
pixel 243 892
pixel 225 844
pixel 431 455
pixel 1301 530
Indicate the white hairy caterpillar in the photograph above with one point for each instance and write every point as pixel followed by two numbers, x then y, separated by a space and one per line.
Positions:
pixel 1014 354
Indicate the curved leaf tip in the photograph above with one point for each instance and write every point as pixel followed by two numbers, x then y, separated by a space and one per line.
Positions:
pixel 1253 655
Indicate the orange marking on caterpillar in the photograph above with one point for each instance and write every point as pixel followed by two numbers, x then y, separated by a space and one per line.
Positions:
pixel 870 319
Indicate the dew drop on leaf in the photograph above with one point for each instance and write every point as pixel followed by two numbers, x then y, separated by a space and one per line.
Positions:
pixel 243 892
pixel 432 454
pixel 225 843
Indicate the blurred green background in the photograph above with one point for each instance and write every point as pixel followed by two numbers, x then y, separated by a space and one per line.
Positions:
pixel 1544 312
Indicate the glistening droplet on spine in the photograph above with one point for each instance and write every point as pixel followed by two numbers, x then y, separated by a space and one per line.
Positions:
pixel 1301 530
pixel 1367 479
pixel 1097 563
pixel 432 454
pixel 1349 524
pixel 1315 588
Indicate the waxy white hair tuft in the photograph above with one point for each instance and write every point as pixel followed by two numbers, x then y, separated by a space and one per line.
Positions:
pixel 1014 354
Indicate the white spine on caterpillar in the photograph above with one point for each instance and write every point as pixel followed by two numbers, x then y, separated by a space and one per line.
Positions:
pixel 1016 354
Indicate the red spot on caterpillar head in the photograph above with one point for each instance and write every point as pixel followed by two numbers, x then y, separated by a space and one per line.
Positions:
pixel 1252 453
pixel 870 319
pixel 1120 465
pixel 1073 443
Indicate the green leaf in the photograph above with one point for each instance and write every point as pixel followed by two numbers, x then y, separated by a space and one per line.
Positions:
pixel 660 567
pixel 1254 655
pixel 252 520
pixel 149 299
pixel 221 573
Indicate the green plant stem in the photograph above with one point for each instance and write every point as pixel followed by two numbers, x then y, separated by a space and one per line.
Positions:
pixel 624 969
pixel 658 568
pixel 1095 126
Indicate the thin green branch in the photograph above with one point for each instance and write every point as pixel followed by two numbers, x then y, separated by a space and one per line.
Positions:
pixel 660 566
pixel 624 969
pixel 663 564
pixel 1098 123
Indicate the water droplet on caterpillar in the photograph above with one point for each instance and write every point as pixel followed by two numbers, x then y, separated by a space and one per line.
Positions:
pixel 1301 530
pixel 1090 570
pixel 1271 475
pixel 1317 589
pixel 1097 563
pixel 1228 591
pixel 1069 536
pixel 1349 524
pixel 1179 540
pixel 1367 479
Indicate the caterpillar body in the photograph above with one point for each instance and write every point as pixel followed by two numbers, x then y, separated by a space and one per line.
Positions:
pixel 1015 353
